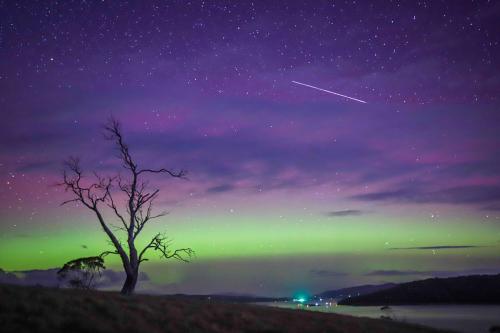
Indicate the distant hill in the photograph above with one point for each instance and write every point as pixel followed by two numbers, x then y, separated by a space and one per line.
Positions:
pixel 355 291
pixel 38 309
pixel 234 298
pixel 473 289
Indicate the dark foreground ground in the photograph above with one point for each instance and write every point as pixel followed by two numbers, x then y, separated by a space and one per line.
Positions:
pixel 36 309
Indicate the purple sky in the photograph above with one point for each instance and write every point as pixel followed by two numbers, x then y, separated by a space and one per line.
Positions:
pixel 206 86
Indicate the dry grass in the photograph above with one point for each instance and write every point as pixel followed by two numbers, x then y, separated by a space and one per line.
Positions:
pixel 32 309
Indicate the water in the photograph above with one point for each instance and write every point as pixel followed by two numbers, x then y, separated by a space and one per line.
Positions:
pixel 459 318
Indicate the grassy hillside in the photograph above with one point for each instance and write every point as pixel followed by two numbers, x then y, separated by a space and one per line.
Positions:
pixel 32 309
pixel 474 289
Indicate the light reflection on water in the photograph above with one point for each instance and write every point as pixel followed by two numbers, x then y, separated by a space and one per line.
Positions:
pixel 460 318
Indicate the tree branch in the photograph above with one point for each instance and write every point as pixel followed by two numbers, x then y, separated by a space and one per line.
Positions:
pixel 180 174
pixel 161 244
pixel 106 253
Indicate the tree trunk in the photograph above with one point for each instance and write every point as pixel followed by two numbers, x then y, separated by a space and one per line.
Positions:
pixel 132 272
pixel 130 282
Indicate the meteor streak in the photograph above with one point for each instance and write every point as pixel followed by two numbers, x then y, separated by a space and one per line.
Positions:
pixel 328 91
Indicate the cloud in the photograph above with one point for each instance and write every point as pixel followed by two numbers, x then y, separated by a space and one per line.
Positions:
pixel 6 277
pixel 346 212
pixel 437 247
pixel 432 273
pixel 493 207
pixel 220 189
pixel 382 196
pixel 43 277
pixel 253 160
pixel 326 273
pixel 38 166
pixel 109 279
pixel 473 194
pixel 395 273
pixel 112 279
pixel 486 167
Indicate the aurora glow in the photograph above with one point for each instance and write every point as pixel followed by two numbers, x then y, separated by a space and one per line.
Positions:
pixel 289 188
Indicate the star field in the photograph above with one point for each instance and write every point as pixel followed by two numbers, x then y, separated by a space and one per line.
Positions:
pixel 281 175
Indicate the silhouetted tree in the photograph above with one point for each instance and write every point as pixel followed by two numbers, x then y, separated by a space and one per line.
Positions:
pixel 134 212
pixel 81 273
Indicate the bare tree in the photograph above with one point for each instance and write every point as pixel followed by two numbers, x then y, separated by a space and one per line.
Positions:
pixel 132 213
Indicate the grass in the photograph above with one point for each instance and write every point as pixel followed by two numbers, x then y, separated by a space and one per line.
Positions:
pixel 37 309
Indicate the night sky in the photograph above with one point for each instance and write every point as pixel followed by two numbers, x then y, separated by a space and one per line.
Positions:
pixel 290 188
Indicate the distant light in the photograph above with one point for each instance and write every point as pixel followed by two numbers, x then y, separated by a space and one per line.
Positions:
pixel 301 297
